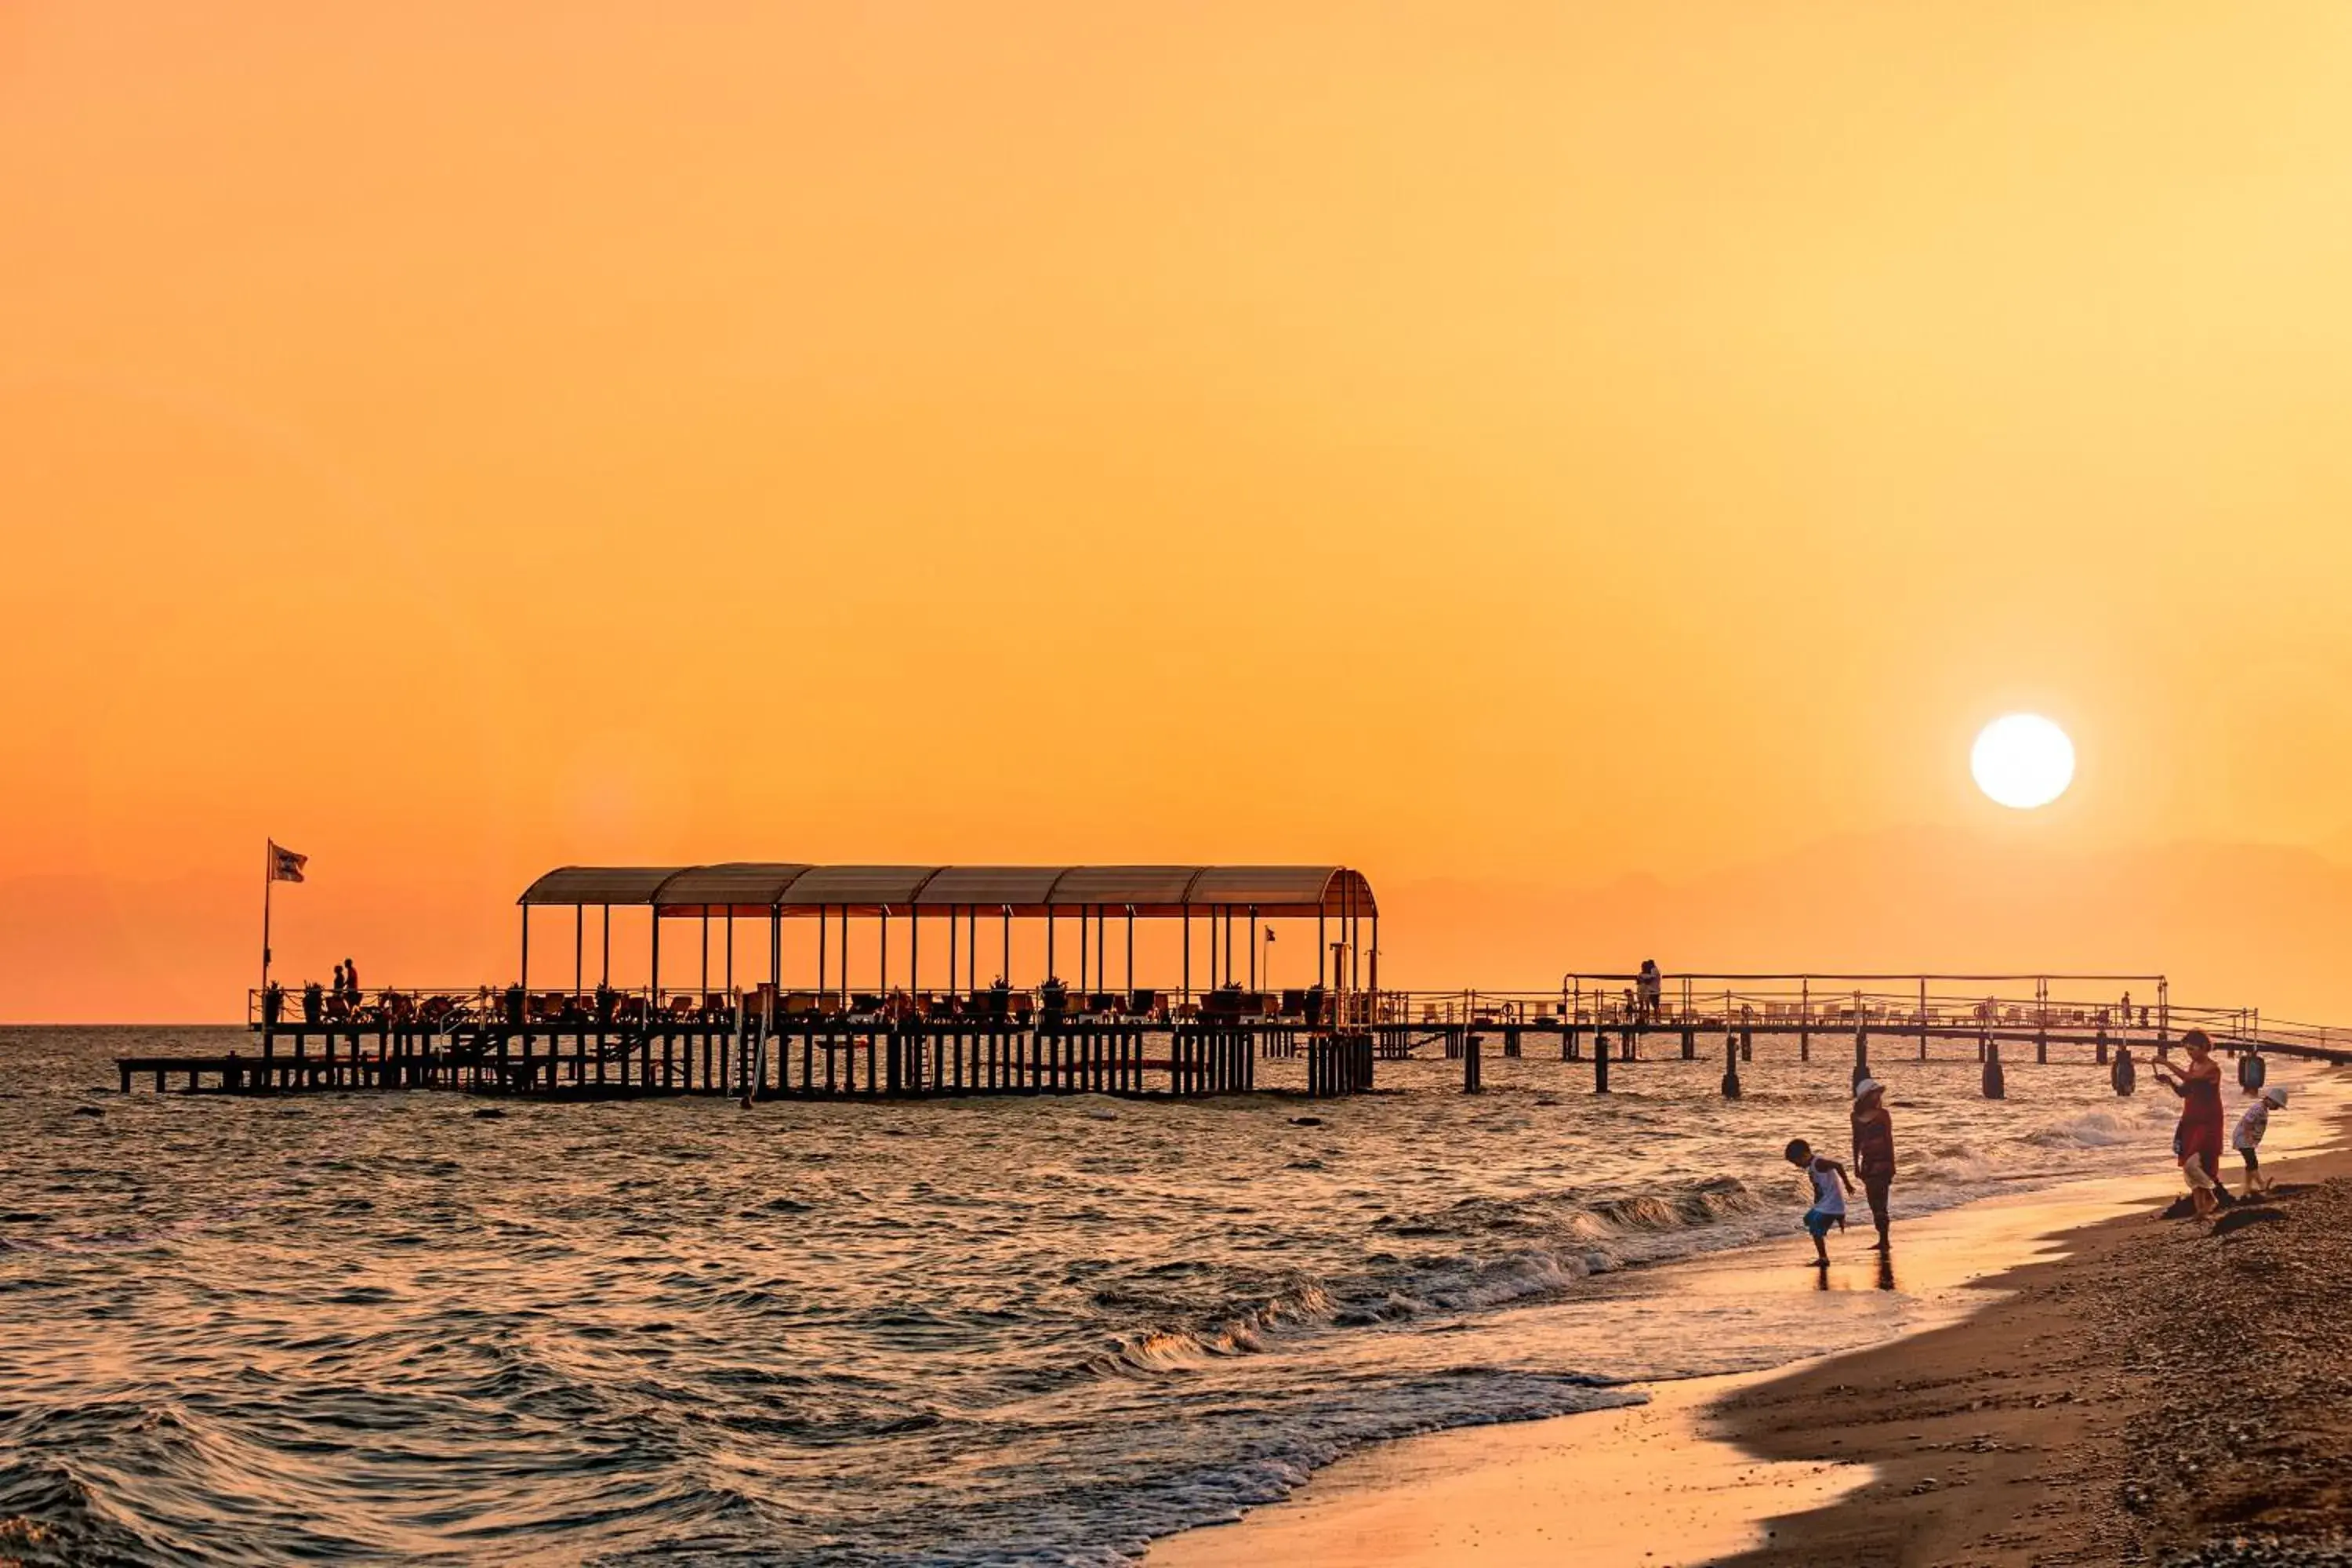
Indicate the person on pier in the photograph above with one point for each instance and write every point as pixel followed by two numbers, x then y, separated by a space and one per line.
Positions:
pixel 1874 1153
pixel 1653 989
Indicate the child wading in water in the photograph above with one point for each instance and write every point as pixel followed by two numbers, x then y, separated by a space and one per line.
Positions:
pixel 2249 1135
pixel 1831 1185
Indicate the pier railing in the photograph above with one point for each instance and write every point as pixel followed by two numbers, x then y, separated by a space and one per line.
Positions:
pixel 1819 1002
pixel 2122 1006
pixel 626 1006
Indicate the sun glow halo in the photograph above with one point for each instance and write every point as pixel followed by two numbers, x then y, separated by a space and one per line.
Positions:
pixel 2023 761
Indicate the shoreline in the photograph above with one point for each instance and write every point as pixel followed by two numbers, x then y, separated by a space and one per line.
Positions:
pixel 1857 1455
pixel 2111 1405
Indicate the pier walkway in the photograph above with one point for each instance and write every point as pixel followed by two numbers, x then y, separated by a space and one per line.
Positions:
pixel 616 1043
pixel 811 1030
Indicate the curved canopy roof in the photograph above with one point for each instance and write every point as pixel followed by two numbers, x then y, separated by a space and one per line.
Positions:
pixel 1020 888
pixel 1271 886
pixel 599 885
pixel 740 887
pixel 789 888
pixel 1151 889
pixel 859 888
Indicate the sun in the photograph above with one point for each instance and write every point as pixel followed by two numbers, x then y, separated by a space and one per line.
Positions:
pixel 2023 761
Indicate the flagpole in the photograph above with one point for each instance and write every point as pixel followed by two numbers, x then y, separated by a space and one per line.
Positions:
pixel 268 875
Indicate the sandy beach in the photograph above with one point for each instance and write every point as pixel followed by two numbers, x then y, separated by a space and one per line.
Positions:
pixel 2167 1389
pixel 2088 1382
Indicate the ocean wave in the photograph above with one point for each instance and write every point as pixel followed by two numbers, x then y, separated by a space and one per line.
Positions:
pixel 1520 1249
pixel 2092 1130
pixel 361 1328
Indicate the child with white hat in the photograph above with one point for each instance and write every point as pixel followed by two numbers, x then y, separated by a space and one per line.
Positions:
pixel 2248 1138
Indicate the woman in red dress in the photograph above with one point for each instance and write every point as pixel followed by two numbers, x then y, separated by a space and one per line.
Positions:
pixel 2199 1139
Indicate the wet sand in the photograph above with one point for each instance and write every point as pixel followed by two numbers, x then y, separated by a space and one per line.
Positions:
pixel 1998 1429
pixel 1609 1487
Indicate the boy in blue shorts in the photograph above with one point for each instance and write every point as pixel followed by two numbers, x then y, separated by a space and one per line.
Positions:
pixel 1831 1185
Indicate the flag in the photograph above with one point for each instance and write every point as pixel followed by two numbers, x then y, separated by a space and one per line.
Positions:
pixel 1269 933
pixel 285 865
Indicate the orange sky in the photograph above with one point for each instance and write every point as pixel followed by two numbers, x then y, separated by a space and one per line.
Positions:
pixel 1510 448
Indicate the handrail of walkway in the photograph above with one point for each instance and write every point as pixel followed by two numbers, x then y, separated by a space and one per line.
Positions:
pixel 1811 1001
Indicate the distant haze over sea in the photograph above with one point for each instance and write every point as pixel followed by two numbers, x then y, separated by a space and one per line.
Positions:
pixel 2232 924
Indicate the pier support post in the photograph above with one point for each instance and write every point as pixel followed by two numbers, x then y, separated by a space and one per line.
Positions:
pixel 1690 1044
pixel 1599 1062
pixel 1861 1055
pixel 1996 1084
pixel 1470 1077
pixel 1730 1067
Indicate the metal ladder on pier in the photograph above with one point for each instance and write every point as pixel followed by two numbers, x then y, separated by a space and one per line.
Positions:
pixel 751 1029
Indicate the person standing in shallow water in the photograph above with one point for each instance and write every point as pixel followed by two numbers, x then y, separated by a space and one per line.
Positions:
pixel 1873 1152
pixel 2199 1139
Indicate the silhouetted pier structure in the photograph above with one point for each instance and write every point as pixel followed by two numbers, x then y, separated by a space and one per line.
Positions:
pixel 812 1032
pixel 1607 1018
pixel 820 1034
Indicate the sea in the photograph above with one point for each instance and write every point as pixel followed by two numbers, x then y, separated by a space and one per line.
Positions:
pixel 433 1328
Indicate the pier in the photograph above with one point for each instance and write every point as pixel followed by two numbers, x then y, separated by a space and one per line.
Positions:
pixel 817 1027
pixel 813 1025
